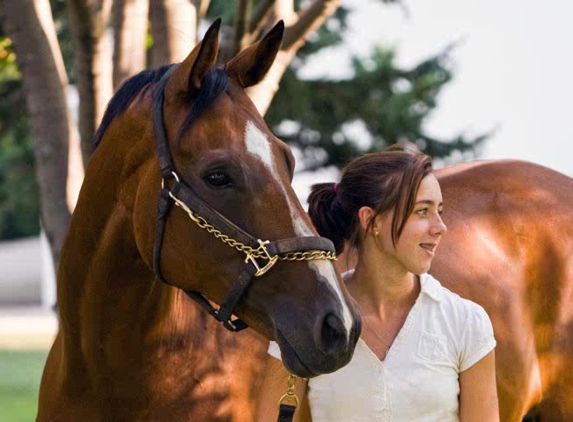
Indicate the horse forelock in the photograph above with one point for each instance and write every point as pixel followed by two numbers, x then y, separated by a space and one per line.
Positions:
pixel 215 82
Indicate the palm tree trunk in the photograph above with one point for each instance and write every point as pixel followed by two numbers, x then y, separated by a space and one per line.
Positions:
pixel 89 22
pixel 174 30
pixel 130 35
pixel 30 25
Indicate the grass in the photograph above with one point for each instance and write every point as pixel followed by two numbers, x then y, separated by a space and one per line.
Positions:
pixel 20 373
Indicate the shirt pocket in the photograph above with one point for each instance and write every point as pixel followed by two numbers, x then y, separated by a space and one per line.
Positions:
pixel 432 348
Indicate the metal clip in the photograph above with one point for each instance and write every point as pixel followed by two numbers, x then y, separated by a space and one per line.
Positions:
pixel 290 395
pixel 272 259
pixel 172 174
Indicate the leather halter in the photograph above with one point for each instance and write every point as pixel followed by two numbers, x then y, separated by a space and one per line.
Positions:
pixel 184 197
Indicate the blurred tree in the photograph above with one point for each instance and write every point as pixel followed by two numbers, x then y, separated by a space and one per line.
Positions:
pixel 332 121
pixel 388 103
pixel 89 23
pixel 33 30
pixel 130 38
pixel 19 197
pixel 30 26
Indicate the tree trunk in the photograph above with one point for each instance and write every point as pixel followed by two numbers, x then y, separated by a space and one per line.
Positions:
pixel 89 21
pixel 298 26
pixel 130 35
pixel 174 30
pixel 30 25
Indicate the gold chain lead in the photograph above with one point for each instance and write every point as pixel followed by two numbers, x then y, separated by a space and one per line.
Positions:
pixel 259 252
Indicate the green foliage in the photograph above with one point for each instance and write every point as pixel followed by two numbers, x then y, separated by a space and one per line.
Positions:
pixel 19 197
pixel 20 373
pixel 390 104
pixel 19 193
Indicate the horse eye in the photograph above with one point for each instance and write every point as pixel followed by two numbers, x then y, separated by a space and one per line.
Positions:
pixel 218 179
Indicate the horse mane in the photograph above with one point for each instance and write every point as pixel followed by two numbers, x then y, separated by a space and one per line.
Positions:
pixel 215 82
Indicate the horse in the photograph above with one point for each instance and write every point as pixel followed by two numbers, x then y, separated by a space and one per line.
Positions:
pixel 508 249
pixel 184 183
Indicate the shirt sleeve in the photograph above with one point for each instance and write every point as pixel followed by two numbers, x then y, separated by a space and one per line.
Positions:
pixel 477 338
pixel 274 350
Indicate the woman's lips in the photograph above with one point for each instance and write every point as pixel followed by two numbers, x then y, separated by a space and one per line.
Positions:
pixel 430 248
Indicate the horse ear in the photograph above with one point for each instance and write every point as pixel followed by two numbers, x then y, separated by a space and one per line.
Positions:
pixel 251 65
pixel 190 72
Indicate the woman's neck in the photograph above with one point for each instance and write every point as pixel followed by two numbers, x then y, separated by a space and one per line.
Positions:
pixel 380 282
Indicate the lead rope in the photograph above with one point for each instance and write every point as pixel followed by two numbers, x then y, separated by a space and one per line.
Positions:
pixel 286 410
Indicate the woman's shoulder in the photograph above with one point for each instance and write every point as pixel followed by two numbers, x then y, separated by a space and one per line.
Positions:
pixel 467 323
pixel 449 301
pixel 455 307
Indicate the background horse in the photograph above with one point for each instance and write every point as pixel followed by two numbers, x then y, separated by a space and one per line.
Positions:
pixel 509 248
pixel 132 348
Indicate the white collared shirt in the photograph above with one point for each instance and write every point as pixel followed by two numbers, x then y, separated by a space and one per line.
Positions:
pixel 442 336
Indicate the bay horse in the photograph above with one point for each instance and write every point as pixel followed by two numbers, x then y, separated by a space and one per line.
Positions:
pixel 509 248
pixel 133 348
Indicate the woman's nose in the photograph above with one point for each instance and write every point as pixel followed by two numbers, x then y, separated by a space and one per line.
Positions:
pixel 439 226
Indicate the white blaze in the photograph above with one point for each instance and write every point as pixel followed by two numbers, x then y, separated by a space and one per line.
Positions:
pixel 258 145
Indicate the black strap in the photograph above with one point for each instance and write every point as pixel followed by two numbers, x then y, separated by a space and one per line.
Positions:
pixel 163 154
pixel 163 207
pixel 286 413
pixel 237 291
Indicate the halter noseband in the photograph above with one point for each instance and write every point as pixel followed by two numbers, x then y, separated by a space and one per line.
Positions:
pixel 207 218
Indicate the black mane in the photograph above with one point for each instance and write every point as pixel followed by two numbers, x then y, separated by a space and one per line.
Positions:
pixel 215 82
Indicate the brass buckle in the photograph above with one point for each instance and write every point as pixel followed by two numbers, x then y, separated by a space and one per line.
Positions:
pixel 290 395
pixel 272 259
pixel 172 174
pixel 228 323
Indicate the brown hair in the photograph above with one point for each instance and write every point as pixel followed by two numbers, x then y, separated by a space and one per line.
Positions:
pixel 383 181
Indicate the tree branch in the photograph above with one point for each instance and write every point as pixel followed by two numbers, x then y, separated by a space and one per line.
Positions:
pixel 201 6
pixel 259 15
pixel 241 35
pixel 309 20
pixel 284 9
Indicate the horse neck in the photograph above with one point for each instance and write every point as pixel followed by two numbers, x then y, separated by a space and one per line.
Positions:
pixel 105 288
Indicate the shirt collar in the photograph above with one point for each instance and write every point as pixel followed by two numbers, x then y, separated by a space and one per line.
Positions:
pixel 431 287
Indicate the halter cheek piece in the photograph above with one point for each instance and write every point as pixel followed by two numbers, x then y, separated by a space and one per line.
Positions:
pixel 207 218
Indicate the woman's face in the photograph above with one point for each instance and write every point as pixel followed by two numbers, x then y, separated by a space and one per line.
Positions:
pixel 416 246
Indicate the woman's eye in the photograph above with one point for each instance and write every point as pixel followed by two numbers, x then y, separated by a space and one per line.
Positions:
pixel 218 179
pixel 423 211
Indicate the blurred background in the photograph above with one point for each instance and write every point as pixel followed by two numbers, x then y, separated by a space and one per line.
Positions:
pixel 462 80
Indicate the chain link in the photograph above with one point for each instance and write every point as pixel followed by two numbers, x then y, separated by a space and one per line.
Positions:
pixel 259 252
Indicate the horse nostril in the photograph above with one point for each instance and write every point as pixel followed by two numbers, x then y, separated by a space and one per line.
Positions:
pixel 332 335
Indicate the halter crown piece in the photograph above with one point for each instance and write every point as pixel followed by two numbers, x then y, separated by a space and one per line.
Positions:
pixel 207 218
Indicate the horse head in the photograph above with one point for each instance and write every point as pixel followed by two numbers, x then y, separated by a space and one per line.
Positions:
pixel 223 156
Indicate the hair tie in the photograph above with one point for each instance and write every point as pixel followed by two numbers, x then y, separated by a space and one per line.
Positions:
pixel 336 188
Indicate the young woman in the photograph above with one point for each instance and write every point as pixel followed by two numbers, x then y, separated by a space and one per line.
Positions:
pixel 425 354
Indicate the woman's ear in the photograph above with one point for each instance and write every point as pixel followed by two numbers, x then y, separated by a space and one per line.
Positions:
pixel 365 215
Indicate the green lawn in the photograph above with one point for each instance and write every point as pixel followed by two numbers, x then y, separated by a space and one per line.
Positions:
pixel 20 373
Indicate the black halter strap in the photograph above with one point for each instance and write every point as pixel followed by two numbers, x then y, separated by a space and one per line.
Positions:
pixel 181 195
